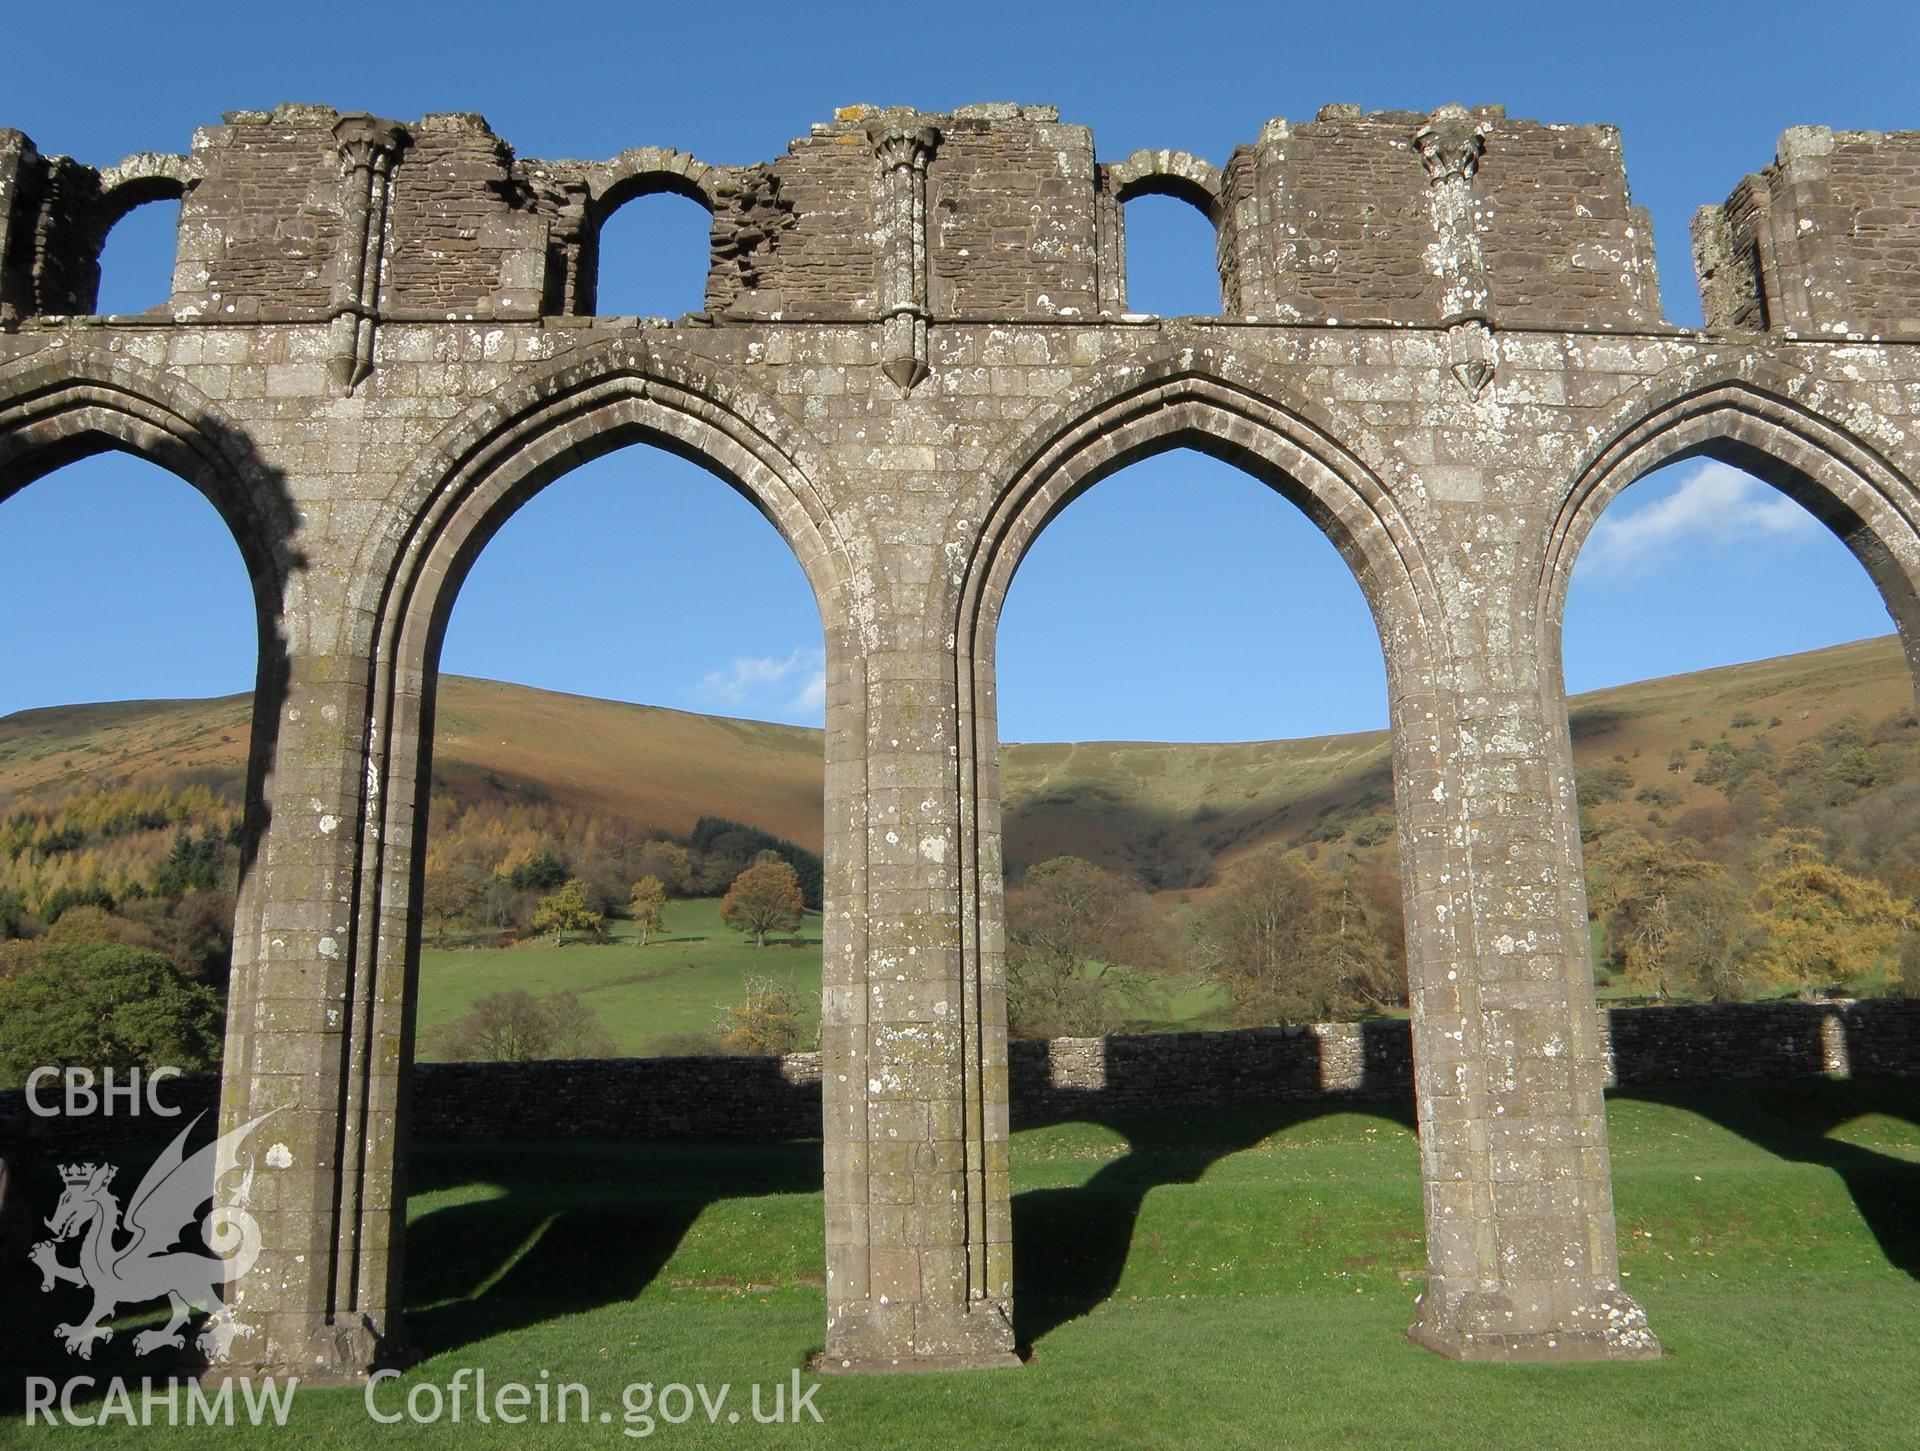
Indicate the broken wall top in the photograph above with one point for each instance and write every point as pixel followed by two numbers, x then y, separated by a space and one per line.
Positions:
pixel 1390 217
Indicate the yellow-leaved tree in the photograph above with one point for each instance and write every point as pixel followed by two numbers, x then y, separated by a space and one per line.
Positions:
pixel 648 907
pixel 1823 926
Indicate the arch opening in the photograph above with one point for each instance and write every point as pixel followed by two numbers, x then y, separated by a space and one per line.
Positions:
pixel 637 575
pixel 1209 842
pixel 138 251
pixel 1173 265
pixel 650 250
pixel 1742 789
pixel 131 759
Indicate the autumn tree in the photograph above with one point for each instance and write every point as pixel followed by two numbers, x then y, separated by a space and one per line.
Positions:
pixel 567 911
pixel 1082 944
pixel 765 1021
pixel 1708 943
pixel 1631 883
pixel 1292 944
pixel 669 862
pixel 648 907
pixel 764 898
pixel 450 894
pixel 1823 925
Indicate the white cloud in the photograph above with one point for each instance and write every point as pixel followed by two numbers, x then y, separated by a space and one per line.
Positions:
pixel 795 686
pixel 1715 507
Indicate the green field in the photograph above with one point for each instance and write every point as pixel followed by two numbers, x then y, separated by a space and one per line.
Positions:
pixel 1233 1279
pixel 646 997
pixel 651 999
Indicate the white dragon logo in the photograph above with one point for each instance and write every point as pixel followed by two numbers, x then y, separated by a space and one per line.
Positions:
pixel 137 1261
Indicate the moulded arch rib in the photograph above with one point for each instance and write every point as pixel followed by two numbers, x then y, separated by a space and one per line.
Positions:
pixel 1845 482
pixel 1156 409
pixel 74 403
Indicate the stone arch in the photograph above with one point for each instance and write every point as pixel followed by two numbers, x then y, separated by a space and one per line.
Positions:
pixel 1176 174
pixel 149 176
pixel 126 186
pixel 470 480
pixel 640 171
pixel 75 402
pixel 1151 405
pixel 1168 173
pixel 1155 404
pixel 500 453
pixel 1830 468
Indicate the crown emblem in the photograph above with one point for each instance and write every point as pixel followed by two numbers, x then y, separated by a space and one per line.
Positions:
pixel 83 1173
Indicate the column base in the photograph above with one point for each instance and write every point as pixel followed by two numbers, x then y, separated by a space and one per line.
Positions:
pixel 348 1355
pixel 881 1339
pixel 1474 1323
pixel 822 1362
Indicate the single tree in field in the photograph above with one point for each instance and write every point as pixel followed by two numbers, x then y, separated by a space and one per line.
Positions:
pixel 567 911
pixel 764 898
pixel 766 1021
pixel 649 907
pixel 516 1027
pixel 1082 945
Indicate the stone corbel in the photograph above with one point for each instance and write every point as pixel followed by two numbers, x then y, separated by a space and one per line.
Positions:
pixel 368 147
pixel 1450 147
pixel 900 208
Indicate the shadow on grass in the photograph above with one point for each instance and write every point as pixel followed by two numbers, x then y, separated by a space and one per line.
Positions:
pixel 555 1229
pixel 1071 1244
pixel 569 1227
pixel 1793 1119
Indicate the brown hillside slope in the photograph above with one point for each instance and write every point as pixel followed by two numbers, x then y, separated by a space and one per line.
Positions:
pixel 1173 813
pixel 657 767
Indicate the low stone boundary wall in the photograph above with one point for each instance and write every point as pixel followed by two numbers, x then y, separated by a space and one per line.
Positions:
pixel 771 1098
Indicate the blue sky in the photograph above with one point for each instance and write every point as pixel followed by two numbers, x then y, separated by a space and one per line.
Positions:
pixel 643 578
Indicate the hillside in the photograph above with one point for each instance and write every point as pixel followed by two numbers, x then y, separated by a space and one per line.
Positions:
pixel 663 768
pixel 1173 813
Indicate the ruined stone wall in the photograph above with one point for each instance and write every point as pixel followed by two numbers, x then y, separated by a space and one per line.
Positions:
pixel 1326 220
pixel 779 1098
pixel 1012 215
pixel 1825 241
pixel 1333 219
pixel 260 233
pixel 378 348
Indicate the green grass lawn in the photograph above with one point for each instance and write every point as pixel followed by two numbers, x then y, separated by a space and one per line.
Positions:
pixel 650 999
pixel 653 999
pixel 646 997
pixel 1230 1279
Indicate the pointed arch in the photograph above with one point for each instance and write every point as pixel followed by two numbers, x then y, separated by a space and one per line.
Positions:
pixel 1138 407
pixel 469 481
pixel 76 401
pixel 1828 466
pixel 1160 401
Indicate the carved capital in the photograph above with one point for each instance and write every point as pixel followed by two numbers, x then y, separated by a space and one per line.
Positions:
pixel 1450 145
pixel 901 145
pixel 365 140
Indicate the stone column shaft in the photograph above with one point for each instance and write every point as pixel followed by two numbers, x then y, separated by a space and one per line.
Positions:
pixel 368 149
pixel 1509 1065
pixel 298 1047
pixel 915 1060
